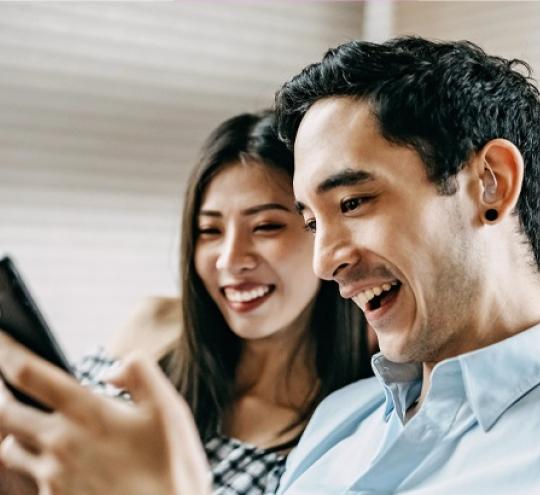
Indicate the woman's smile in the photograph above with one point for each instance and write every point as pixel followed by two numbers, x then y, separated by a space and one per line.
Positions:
pixel 247 296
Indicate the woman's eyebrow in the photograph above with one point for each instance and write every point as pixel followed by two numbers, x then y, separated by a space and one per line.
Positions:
pixel 252 210
pixel 210 213
pixel 263 207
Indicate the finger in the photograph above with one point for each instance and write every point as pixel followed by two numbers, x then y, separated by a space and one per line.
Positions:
pixel 147 383
pixel 4 393
pixel 41 380
pixel 144 380
pixel 14 483
pixel 26 423
pixel 16 457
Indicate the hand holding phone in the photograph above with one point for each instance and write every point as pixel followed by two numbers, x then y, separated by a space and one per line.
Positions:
pixel 103 445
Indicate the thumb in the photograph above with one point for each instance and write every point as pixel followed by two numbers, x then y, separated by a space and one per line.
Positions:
pixel 143 379
pixel 5 395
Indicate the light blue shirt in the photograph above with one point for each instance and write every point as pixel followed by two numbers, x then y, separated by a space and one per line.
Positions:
pixel 477 432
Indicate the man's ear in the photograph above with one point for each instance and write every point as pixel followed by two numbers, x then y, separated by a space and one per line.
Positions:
pixel 499 167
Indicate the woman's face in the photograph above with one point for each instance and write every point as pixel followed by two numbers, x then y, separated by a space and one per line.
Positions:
pixel 252 251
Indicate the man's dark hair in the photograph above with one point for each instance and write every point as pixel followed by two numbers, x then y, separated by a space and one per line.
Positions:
pixel 444 99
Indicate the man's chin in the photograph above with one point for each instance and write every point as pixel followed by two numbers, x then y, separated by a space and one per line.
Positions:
pixel 396 353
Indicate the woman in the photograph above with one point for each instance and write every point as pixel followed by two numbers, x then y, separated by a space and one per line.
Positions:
pixel 264 341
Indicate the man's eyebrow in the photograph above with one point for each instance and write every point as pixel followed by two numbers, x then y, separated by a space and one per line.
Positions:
pixel 347 177
pixel 253 210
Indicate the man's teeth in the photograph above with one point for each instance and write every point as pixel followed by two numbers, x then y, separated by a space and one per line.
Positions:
pixel 363 298
pixel 234 295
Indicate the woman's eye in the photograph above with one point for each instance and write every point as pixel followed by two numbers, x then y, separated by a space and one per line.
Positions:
pixel 352 204
pixel 268 227
pixel 208 231
pixel 310 226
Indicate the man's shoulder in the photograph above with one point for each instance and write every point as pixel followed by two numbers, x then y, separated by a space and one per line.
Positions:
pixel 363 386
pixel 335 418
pixel 344 409
pixel 348 399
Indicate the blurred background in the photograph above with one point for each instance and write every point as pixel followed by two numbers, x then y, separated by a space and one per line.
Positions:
pixel 103 107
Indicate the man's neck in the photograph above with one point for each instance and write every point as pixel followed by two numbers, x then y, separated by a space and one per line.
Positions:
pixel 502 319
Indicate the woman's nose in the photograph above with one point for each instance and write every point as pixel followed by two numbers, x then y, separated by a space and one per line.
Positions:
pixel 237 254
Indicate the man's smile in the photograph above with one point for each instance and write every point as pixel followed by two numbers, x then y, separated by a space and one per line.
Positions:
pixel 374 297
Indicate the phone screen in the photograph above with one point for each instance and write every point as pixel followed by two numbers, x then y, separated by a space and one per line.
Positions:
pixel 21 319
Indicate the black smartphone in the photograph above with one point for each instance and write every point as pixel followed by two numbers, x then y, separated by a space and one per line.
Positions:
pixel 21 319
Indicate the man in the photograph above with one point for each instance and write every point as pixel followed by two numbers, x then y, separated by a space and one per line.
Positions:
pixel 417 169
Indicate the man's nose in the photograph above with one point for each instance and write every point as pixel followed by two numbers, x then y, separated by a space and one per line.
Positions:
pixel 334 251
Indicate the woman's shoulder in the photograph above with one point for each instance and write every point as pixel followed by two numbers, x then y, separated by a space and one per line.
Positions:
pixel 153 328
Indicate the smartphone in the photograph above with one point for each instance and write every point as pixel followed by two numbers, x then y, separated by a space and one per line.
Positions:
pixel 21 319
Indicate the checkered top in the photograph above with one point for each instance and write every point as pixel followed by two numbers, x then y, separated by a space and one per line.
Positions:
pixel 242 469
pixel 237 468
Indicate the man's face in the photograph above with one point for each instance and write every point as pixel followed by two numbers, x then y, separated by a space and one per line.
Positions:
pixel 402 251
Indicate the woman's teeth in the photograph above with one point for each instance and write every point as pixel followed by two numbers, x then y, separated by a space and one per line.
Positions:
pixel 234 295
pixel 363 298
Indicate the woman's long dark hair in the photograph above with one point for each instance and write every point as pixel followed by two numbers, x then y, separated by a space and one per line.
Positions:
pixel 204 366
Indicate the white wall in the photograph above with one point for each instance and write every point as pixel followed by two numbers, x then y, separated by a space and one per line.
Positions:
pixel 509 29
pixel 103 107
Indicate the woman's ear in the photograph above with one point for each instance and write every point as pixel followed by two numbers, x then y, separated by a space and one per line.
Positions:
pixel 500 175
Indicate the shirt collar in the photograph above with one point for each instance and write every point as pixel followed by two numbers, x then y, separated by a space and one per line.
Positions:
pixel 401 382
pixel 493 378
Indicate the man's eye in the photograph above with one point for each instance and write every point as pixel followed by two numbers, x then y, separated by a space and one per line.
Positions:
pixel 268 227
pixel 310 226
pixel 351 204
